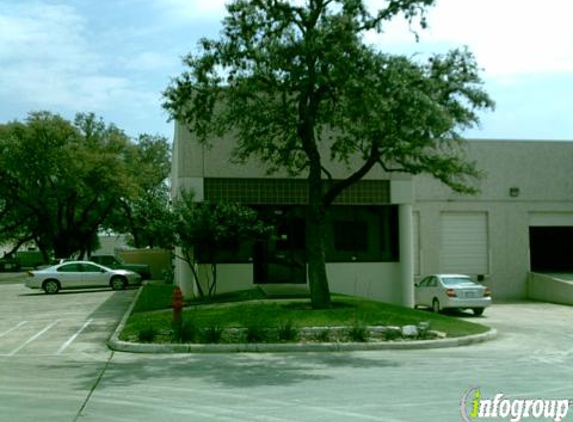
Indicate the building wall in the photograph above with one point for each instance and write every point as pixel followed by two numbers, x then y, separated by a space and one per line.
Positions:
pixel 523 181
pixel 542 173
pixel 193 163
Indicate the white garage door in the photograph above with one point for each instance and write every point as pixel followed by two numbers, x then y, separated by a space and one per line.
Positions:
pixel 464 243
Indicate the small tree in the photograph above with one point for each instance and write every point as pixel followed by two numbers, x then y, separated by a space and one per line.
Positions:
pixel 204 229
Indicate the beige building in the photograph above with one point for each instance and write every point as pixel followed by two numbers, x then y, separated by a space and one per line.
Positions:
pixel 522 221
pixel 389 230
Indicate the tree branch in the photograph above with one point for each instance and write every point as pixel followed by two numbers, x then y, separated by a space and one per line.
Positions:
pixel 339 186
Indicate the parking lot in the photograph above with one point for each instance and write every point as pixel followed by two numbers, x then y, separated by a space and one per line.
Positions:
pixel 55 367
pixel 70 322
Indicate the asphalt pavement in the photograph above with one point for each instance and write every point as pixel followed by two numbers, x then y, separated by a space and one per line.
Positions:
pixel 532 358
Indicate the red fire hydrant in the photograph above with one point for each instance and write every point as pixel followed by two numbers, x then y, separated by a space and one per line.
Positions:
pixel 177 305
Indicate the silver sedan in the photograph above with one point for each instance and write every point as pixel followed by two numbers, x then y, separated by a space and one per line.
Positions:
pixel 443 291
pixel 80 274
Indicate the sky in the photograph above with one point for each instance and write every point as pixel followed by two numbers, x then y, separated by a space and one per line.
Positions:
pixel 115 58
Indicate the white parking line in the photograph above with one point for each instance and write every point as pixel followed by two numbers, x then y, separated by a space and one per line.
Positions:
pixel 13 328
pixel 72 338
pixel 31 339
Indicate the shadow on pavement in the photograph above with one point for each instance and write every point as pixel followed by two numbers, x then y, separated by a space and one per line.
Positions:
pixel 235 371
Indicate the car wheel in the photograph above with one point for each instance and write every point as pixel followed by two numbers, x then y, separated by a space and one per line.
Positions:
pixel 477 311
pixel 118 283
pixel 51 287
pixel 436 305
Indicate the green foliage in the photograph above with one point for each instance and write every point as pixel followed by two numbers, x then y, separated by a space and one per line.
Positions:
pixel 280 70
pixel 288 332
pixel 169 275
pixel 358 333
pixel 147 334
pixel 392 334
pixel 64 178
pixel 211 321
pixel 187 332
pixel 61 181
pixel 257 328
pixel 205 228
pixel 212 334
pixel 146 215
pixel 343 312
pixel 323 336
pixel 154 297
pixel 256 333
pixel 289 81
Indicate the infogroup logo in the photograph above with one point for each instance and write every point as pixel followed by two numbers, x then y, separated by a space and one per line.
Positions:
pixel 475 407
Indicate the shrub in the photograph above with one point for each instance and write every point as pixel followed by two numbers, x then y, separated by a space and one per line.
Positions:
pixel 212 334
pixel 168 275
pixel 187 332
pixel 287 332
pixel 424 330
pixel 392 333
pixel 147 334
pixel 256 333
pixel 323 336
pixel 358 333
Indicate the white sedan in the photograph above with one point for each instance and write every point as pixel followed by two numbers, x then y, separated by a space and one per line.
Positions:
pixel 441 291
pixel 80 274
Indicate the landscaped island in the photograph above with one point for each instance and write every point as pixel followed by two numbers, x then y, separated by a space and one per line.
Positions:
pixel 250 317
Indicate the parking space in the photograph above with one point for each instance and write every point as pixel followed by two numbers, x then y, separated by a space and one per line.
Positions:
pixel 54 367
pixel 70 322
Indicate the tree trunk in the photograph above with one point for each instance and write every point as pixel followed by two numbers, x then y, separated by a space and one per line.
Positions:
pixel 62 247
pixel 315 231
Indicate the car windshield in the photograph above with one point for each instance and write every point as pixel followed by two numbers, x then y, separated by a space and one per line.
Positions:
pixel 458 281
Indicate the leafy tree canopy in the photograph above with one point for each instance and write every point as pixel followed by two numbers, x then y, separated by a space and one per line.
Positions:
pixel 61 180
pixel 145 215
pixel 292 79
pixel 207 228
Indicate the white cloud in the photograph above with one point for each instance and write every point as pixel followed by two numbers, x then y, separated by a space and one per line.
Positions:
pixel 179 11
pixel 50 60
pixel 508 37
pixel 44 54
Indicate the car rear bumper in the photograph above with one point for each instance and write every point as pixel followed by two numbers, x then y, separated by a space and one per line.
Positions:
pixel 453 302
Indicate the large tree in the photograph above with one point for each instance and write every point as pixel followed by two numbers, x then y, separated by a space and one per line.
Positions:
pixel 290 81
pixel 146 214
pixel 60 180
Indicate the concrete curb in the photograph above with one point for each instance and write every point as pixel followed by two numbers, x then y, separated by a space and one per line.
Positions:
pixel 125 346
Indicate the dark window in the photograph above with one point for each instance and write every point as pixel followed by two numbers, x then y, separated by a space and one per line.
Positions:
pixel 108 260
pixel 70 268
pixel 88 268
pixel 354 234
pixel 281 256
pixel 350 235
pixel 362 234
